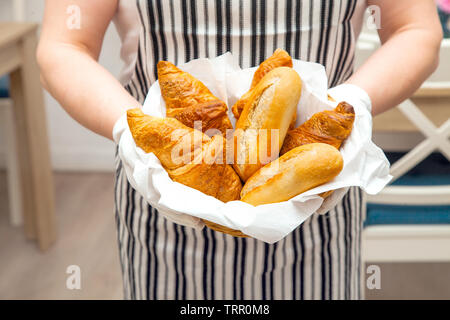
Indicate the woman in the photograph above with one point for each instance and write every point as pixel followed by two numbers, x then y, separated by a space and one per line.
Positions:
pixel 162 260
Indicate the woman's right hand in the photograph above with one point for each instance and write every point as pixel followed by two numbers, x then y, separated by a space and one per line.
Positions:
pixel 67 56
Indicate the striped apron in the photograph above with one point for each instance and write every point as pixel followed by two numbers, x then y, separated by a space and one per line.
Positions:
pixel 162 260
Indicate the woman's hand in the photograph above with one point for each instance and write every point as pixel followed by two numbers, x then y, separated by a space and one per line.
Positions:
pixel 411 35
pixel 69 68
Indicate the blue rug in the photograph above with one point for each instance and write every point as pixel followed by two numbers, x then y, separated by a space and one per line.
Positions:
pixel 4 87
pixel 388 214
pixel 433 171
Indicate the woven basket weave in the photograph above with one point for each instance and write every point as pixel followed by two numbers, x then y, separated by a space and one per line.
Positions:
pixel 237 233
pixel 220 228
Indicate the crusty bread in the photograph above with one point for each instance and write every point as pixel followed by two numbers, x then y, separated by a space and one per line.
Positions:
pixel 196 167
pixel 272 105
pixel 295 172
pixel 329 126
pixel 189 100
pixel 280 58
pixel 162 136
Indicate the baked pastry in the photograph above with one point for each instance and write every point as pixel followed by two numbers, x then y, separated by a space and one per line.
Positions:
pixel 279 58
pixel 271 105
pixel 297 171
pixel 189 156
pixel 188 100
pixel 331 127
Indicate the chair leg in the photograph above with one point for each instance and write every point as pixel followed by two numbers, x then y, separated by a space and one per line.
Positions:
pixel 33 146
pixel 13 178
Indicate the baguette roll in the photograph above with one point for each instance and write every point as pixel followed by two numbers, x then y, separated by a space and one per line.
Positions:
pixel 280 58
pixel 297 171
pixel 272 105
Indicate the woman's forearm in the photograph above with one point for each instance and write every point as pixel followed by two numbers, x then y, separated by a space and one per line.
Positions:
pixel 87 91
pixel 398 68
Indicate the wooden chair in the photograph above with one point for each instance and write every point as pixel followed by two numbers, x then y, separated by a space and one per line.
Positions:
pixel 7 126
pixel 414 242
pixel 12 156
pixel 30 172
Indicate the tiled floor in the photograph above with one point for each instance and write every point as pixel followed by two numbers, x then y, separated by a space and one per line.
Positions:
pixel 87 238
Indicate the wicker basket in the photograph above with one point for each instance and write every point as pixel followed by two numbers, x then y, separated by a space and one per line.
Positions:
pixel 326 194
pixel 220 228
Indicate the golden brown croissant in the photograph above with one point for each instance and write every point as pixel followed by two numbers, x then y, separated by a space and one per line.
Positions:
pixel 279 58
pixel 189 156
pixel 189 100
pixel 330 127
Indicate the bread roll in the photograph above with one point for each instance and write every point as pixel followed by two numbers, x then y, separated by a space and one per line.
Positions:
pixel 280 58
pixel 272 105
pixel 297 171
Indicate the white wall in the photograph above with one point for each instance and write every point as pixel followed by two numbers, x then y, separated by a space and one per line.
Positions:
pixel 72 146
pixel 5 9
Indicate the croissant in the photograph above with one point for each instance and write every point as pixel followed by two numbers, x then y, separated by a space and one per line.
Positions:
pixel 331 127
pixel 189 100
pixel 189 156
pixel 279 58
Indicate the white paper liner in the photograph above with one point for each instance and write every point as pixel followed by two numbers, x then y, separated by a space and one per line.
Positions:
pixel 365 165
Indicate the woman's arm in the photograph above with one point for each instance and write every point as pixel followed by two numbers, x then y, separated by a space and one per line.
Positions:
pixel 411 36
pixel 69 68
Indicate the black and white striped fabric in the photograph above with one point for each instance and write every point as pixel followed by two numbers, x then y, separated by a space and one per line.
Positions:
pixel 162 260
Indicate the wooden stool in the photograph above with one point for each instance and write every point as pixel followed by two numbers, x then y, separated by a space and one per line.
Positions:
pixel 17 58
